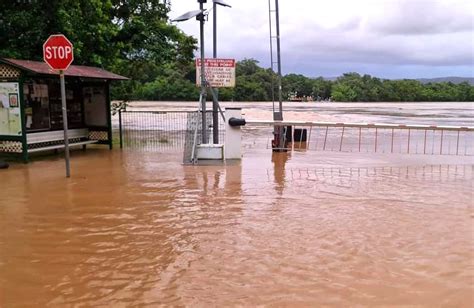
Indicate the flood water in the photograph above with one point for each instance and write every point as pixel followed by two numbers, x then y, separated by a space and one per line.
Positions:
pixel 298 229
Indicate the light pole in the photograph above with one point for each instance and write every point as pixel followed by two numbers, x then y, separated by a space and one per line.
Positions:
pixel 278 131
pixel 215 98
pixel 214 7
pixel 201 16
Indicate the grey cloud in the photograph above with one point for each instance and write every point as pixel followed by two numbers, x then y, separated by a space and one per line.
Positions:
pixel 379 50
pixel 422 17
pixel 399 35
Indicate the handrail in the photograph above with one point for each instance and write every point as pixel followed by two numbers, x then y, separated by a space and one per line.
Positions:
pixel 358 125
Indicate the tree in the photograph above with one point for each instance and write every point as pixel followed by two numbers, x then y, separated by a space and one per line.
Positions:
pixel 297 84
pixel 169 86
pixel 348 87
pixel 465 92
pixel 249 89
pixel 88 24
pixel 343 93
pixel 130 37
pixel 247 67
pixel 147 41
pixel 322 88
pixel 253 83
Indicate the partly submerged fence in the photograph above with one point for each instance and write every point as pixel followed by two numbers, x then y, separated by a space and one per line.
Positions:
pixel 375 138
pixel 161 130
pixel 177 130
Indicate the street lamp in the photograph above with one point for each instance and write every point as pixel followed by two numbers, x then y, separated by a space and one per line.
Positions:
pixel 201 16
pixel 214 7
pixel 187 15
pixel 215 98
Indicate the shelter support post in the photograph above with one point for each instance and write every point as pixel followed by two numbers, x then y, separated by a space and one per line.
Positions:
pixel 120 128
pixel 24 142
pixel 109 115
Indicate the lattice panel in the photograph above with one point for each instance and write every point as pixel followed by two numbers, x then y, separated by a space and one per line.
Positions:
pixel 7 71
pixel 97 135
pixel 11 147
pixel 51 143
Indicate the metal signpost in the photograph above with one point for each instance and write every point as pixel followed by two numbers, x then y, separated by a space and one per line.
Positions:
pixel 200 15
pixel 58 54
pixel 215 101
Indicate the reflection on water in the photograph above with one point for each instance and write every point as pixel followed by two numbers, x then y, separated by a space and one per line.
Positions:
pixel 117 233
pixel 303 228
pixel 279 171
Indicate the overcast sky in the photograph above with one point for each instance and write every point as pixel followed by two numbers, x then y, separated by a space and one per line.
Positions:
pixel 385 38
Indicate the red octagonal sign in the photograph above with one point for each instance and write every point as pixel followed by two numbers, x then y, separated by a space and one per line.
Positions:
pixel 58 52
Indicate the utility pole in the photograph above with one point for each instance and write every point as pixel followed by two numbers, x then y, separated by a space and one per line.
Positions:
pixel 215 98
pixel 278 143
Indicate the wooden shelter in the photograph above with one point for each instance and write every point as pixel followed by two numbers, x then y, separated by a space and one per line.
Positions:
pixel 31 113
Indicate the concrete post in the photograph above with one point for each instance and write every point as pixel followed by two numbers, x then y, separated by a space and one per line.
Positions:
pixel 233 135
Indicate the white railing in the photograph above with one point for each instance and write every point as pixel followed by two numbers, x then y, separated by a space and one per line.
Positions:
pixel 375 137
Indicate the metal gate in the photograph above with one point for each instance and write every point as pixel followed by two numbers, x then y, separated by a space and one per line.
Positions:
pixel 372 138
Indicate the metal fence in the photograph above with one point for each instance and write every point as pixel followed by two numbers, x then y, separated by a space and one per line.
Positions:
pixel 373 138
pixel 176 131
pixel 160 130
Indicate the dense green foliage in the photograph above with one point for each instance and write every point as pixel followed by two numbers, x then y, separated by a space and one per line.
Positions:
pixel 129 37
pixel 353 87
pixel 254 84
pixel 135 38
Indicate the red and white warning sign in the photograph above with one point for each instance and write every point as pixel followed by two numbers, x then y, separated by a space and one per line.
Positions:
pixel 58 52
pixel 220 73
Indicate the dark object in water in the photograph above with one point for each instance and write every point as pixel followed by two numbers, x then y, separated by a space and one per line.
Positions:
pixel 300 134
pixel 4 165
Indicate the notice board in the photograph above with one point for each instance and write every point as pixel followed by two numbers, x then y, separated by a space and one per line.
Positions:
pixel 10 115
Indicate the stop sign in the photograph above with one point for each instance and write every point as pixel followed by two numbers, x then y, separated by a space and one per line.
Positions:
pixel 58 52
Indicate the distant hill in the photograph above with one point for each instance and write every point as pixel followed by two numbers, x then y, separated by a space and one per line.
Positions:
pixel 455 80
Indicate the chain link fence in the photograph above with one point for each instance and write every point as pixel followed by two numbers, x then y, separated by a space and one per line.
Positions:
pixel 163 131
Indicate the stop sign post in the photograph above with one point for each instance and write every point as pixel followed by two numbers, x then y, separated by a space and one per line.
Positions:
pixel 58 53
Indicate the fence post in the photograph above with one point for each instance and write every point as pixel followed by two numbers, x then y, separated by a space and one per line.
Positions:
pixel 376 135
pixel 325 138
pixel 120 128
pixel 342 138
pixel 457 145
pixel 441 143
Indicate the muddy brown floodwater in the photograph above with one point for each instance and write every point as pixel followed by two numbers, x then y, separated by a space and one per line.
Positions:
pixel 298 229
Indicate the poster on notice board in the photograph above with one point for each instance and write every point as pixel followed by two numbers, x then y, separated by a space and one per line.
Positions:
pixel 10 115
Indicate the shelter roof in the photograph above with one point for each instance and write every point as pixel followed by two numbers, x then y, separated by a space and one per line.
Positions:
pixel 73 70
